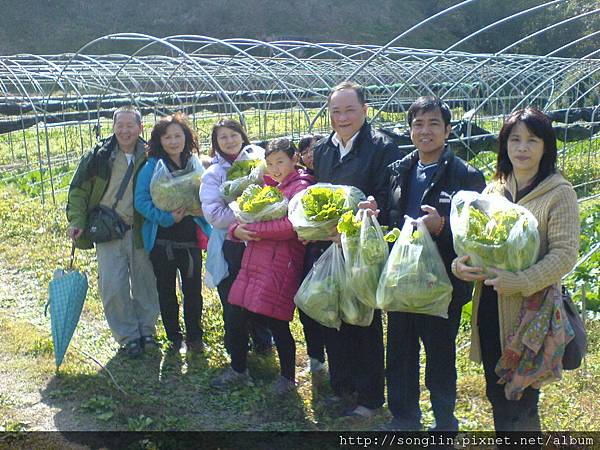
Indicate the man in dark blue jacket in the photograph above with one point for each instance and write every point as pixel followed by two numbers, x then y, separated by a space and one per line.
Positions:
pixel 421 186
pixel 356 155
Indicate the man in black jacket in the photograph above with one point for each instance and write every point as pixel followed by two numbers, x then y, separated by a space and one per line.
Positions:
pixel 421 186
pixel 356 155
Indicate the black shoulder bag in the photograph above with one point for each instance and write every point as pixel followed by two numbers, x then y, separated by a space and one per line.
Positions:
pixel 103 223
pixel 576 348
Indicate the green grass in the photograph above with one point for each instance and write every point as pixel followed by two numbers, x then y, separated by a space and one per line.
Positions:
pixel 172 392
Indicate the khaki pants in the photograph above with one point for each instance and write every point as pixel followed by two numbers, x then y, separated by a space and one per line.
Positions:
pixel 128 289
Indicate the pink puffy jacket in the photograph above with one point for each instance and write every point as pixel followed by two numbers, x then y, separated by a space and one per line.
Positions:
pixel 272 267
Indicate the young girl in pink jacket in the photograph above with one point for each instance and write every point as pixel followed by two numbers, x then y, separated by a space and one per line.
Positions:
pixel 270 275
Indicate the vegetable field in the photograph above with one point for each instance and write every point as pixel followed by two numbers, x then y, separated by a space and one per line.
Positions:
pixel 53 108
pixel 103 390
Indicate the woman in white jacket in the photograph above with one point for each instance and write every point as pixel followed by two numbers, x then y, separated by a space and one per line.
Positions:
pixel 229 143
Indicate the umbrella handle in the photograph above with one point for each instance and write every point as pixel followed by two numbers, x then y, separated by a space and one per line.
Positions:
pixel 72 255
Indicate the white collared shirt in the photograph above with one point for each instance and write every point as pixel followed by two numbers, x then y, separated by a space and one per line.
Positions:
pixel 344 150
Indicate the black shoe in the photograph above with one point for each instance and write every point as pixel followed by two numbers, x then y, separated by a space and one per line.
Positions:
pixel 267 350
pixel 448 429
pixel 196 346
pixel 339 404
pixel 397 424
pixel 360 411
pixel 175 346
pixel 133 349
pixel 148 341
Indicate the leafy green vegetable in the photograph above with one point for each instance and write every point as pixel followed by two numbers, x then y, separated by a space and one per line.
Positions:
pixel 321 204
pixel 417 292
pixel 259 204
pixel 353 311
pixel 365 256
pixel 502 239
pixel 242 168
pixel 320 292
pixel 392 235
pixel 414 278
pixel 241 175
pixel 174 190
pixel 316 211
pixel 373 249
pixel 254 198
pixel 319 299
pixel 348 224
pixel 492 229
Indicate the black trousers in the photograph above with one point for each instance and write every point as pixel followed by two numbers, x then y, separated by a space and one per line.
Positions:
pixel 509 415
pixel 356 357
pixel 286 347
pixel 165 271
pixel 261 336
pixel 439 339
pixel 314 335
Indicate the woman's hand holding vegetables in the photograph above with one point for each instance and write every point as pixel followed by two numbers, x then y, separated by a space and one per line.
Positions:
pixel 500 281
pixel 466 273
pixel 243 234
pixel 370 205
pixel 178 214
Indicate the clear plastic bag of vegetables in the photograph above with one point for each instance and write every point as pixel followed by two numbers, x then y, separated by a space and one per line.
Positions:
pixel 414 278
pixel 493 231
pixel 248 169
pixel 259 204
pixel 315 211
pixel 353 311
pixel 319 293
pixel 177 189
pixel 365 253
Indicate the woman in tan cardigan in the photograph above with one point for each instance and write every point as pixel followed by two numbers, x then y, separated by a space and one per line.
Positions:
pixel 526 174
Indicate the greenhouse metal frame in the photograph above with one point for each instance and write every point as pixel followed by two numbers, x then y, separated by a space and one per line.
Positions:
pixel 282 86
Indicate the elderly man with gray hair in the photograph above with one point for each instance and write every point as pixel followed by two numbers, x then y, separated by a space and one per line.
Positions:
pixel 100 211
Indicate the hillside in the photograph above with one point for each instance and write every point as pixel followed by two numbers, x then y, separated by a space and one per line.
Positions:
pixel 57 26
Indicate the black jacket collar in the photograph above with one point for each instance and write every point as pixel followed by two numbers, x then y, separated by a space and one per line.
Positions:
pixel 364 131
pixel 409 161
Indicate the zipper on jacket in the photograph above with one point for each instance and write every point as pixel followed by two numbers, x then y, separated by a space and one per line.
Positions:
pixel 436 179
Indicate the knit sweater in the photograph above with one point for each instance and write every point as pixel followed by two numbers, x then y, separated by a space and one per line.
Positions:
pixel 554 204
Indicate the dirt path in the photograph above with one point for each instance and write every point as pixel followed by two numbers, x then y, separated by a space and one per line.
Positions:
pixel 162 391
pixel 26 399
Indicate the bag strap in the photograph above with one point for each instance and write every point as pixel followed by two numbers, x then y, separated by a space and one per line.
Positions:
pixel 124 183
pixel 72 256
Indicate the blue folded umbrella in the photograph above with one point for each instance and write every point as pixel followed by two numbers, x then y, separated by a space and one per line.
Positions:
pixel 66 294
